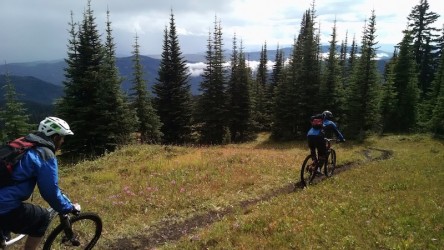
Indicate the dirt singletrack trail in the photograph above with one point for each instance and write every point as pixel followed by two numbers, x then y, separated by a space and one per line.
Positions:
pixel 172 231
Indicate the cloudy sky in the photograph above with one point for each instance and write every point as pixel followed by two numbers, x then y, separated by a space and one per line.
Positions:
pixel 34 30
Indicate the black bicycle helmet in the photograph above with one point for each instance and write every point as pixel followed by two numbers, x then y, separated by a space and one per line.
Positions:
pixel 327 114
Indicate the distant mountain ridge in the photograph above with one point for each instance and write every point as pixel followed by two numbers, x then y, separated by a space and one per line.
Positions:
pixel 52 72
pixel 32 89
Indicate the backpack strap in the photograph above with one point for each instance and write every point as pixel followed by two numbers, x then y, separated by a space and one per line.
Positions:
pixel 45 152
pixel 21 144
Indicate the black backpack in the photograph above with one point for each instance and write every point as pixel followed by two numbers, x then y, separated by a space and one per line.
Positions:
pixel 317 121
pixel 10 154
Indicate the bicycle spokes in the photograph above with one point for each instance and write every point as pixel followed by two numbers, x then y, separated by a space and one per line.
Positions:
pixel 83 233
pixel 308 171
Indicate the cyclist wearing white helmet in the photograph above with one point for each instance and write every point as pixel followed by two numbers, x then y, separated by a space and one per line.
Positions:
pixel 38 166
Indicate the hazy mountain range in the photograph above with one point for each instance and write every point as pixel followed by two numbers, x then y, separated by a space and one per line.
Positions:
pixel 41 82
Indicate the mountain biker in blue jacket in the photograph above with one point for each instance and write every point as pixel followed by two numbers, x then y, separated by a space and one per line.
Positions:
pixel 38 166
pixel 316 136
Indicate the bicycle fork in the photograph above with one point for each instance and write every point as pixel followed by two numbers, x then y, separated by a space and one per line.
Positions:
pixel 70 237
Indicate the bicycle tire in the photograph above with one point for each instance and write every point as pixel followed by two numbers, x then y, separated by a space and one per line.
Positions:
pixel 308 171
pixel 330 164
pixel 80 224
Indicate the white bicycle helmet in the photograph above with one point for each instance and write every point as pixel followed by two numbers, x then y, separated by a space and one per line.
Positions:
pixel 53 125
pixel 327 114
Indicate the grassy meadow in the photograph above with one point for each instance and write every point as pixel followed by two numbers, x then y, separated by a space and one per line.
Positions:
pixel 396 203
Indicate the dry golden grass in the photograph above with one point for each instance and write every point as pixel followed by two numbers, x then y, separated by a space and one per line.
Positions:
pixel 384 204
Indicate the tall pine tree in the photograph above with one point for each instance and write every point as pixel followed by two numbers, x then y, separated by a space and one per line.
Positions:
pixel 363 95
pixel 288 93
pixel 437 120
pixel 116 122
pixel 308 78
pixel 297 97
pixel 212 110
pixel 92 103
pixel 405 84
pixel 276 78
pixel 148 122
pixel 13 116
pixel 260 86
pixel 389 99
pixel 239 108
pixel 424 43
pixel 172 90
pixel 331 91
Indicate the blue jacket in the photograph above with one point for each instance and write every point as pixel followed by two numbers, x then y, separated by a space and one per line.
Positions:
pixel 37 167
pixel 326 127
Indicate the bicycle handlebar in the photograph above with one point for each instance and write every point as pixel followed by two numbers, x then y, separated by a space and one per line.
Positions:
pixel 335 140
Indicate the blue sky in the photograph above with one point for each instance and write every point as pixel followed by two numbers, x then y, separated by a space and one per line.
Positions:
pixel 34 30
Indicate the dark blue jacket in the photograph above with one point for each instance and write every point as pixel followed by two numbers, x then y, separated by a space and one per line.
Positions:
pixel 37 167
pixel 327 126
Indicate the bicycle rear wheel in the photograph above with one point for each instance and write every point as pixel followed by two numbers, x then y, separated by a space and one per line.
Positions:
pixel 87 228
pixel 330 164
pixel 308 171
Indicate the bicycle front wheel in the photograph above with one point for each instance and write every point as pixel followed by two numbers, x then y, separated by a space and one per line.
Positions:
pixel 87 228
pixel 330 164
pixel 308 171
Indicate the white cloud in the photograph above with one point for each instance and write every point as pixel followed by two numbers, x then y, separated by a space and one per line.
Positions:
pixel 196 69
pixel 37 30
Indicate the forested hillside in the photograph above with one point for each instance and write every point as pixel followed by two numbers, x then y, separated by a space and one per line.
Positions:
pixel 234 101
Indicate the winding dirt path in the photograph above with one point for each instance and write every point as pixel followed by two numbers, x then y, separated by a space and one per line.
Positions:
pixel 173 231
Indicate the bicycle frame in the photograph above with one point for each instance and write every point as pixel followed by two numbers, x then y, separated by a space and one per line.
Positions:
pixel 310 166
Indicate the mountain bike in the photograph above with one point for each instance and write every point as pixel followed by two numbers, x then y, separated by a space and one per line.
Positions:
pixel 310 167
pixel 78 230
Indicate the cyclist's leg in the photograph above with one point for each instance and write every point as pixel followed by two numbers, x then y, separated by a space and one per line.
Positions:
pixel 33 242
pixel 322 150
pixel 312 145
pixel 27 219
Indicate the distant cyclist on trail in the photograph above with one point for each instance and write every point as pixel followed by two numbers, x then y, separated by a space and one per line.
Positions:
pixel 321 125
pixel 38 166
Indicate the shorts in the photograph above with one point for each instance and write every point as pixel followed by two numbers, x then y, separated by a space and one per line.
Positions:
pixel 27 219
pixel 317 143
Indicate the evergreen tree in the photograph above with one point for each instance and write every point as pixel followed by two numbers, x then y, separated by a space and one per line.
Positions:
pixel 277 76
pixel 352 58
pixel 424 38
pixel 363 95
pixel 260 86
pixel 308 79
pixel 389 99
pixel 292 109
pixel 331 88
pixel 427 106
pixel 83 77
pixel 440 46
pixel 285 104
pixel 239 108
pixel 116 121
pixel 93 104
pixel 405 83
pixel 437 119
pixel 13 116
pixel 212 102
pixel 148 121
pixel 350 67
pixel 173 95
pixel 343 61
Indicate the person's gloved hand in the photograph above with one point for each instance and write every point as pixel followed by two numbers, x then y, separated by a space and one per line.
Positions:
pixel 76 208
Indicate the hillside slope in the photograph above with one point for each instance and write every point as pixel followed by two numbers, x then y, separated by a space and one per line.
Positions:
pixel 239 196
